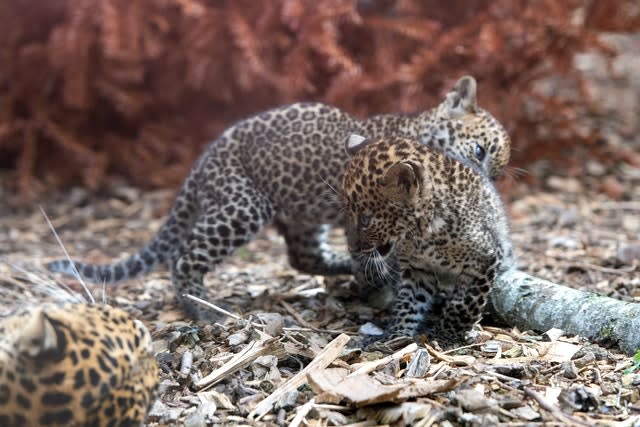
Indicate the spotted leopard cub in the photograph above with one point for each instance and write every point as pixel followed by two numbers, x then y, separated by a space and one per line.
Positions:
pixel 75 365
pixel 277 167
pixel 442 220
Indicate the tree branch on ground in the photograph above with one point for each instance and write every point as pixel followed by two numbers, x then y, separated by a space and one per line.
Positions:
pixel 529 302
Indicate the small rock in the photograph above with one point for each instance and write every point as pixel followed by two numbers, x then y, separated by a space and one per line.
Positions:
pixel 563 242
pixel 587 359
pixel 553 334
pixel 265 368
pixel 238 338
pixel 334 418
pixel 390 370
pixel 613 188
pixel 568 369
pixel 273 323
pixel 526 412
pixel 627 253
pixel 370 329
pixel 287 401
pixel 473 400
pixel 578 399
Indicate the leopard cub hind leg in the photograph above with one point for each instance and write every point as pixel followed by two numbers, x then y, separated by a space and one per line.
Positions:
pixel 230 217
pixel 309 251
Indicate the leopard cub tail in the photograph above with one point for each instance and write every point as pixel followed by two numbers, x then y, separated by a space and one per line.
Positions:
pixel 136 265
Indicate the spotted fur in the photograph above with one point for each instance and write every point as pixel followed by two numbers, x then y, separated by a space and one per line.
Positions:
pixel 278 167
pixel 75 365
pixel 441 222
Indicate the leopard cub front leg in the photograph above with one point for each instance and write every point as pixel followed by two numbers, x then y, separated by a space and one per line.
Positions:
pixel 413 300
pixel 445 312
pixel 462 308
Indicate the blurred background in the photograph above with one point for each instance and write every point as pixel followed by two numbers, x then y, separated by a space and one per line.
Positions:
pixel 97 90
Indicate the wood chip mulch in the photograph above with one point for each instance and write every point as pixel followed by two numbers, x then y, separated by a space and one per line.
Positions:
pixel 287 352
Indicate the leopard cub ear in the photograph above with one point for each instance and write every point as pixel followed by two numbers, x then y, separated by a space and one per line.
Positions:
pixel 355 142
pixel 462 99
pixel 402 181
pixel 38 336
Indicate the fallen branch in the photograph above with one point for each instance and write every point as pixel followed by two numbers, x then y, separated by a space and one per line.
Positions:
pixel 528 302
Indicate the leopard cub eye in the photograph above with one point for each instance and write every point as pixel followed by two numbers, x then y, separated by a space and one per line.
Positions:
pixel 364 221
pixel 479 152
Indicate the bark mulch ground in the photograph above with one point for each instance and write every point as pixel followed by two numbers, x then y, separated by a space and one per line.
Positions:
pixel 282 356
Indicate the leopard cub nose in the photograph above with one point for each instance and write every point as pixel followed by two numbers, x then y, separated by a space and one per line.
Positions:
pixel 384 249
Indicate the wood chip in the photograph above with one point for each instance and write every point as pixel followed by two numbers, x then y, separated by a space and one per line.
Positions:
pixel 419 364
pixel 321 361
pixel 253 350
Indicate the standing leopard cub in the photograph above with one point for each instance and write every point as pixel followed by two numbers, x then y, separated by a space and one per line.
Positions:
pixel 277 167
pixel 443 222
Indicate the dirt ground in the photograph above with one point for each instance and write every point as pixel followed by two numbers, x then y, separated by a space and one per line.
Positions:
pixel 284 321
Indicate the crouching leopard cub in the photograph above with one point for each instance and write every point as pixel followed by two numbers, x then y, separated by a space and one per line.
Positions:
pixel 278 167
pixel 75 365
pixel 441 219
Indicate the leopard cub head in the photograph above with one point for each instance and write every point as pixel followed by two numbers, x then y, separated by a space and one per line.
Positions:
pixel 466 131
pixel 383 190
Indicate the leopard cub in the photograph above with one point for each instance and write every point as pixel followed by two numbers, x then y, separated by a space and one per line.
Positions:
pixel 82 365
pixel 442 223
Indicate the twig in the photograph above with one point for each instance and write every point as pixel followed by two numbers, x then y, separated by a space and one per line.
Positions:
pixel 589 266
pixel 324 331
pixel 456 360
pixel 302 412
pixel 296 315
pixel 321 361
pixel 216 308
pixel 253 350
pixel 66 254
pixel 365 368
pixel 260 325
pixel 555 412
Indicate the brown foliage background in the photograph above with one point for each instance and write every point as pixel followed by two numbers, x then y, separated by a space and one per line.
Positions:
pixel 97 88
